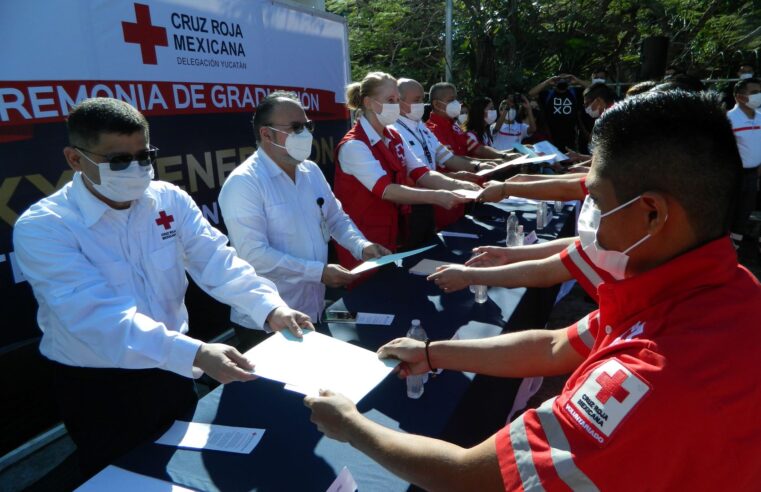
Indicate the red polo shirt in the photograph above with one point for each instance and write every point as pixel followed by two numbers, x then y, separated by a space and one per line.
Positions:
pixel 668 395
pixel 452 136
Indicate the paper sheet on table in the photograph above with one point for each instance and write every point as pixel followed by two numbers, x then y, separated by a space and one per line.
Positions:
pixel 515 162
pixel 385 260
pixel 197 435
pixel 545 147
pixel 375 319
pixel 471 194
pixel 530 238
pixel 344 482
pixel 115 479
pixel 524 150
pixel 427 267
pixel 319 361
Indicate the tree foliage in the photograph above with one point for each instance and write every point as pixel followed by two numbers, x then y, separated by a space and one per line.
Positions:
pixel 501 45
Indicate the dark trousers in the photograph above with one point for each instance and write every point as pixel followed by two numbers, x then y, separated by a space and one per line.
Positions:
pixel 421 227
pixel 747 201
pixel 247 337
pixel 107 412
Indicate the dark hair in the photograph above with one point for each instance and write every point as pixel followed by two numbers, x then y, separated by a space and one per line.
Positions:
pixel 640 87
pixel 265 108
pixel 600 90
pixel 681 81
pixel 91 117
pixel 475 121
pixel 438 88
pixel 742 85
pixel 675 142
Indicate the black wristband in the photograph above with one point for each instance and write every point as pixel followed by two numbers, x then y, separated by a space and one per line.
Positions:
pixel 428 357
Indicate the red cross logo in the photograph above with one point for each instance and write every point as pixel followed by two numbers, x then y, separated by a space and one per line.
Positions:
pixel 145 34
pixel 165 220
pixel 611 386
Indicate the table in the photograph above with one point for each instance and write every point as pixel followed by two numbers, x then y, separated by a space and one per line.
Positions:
pixel 456 406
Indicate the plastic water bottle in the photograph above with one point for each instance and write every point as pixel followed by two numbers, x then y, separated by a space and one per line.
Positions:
pixel 512 230
pixel 415 383
pixel 558 207
pixel 540 212
pixel 547 214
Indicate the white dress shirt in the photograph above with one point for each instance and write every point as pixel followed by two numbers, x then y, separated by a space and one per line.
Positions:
pixel 748 135
pixel 357 159
pixel 274 223
pixel 417 136
pixel 110 284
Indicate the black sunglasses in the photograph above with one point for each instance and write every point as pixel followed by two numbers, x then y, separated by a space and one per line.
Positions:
pixel 122 160
pixel 297 126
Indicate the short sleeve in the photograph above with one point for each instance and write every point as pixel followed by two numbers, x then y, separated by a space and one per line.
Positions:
pixel 415 167
pixel 583 333
pixel 589 276
pixel 357 160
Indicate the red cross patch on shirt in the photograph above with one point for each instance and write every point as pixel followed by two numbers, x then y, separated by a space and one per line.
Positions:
pixel 605 398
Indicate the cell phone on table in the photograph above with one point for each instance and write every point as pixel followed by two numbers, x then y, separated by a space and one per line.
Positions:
pixel 339 317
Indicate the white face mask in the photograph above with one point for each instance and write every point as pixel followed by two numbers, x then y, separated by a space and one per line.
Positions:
pixel 591 112
pixel 491 116
pixel 416 111
pixel 453 109
pixel 598 81
pixel 746 75
pixel 298 145
pixel 511 114
pixel 754 101
pixel 613 262
pixel 121 186
pixel 389 114
pixel 462 118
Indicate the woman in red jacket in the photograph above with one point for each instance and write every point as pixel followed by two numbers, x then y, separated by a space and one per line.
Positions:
pixel 377 175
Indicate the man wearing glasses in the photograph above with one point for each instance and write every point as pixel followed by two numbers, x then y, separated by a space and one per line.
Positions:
pixel 280 213
pixel 106 257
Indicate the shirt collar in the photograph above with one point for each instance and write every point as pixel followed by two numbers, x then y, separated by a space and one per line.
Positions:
pixel 441 120
pixel 372 135
pixel 709 265
pixel 410 123
pixel 271 166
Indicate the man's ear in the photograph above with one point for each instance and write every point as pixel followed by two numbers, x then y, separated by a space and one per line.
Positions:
pixel 73 158
pixel 657 207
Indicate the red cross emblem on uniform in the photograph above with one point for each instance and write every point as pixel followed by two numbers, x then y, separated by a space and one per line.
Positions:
pixel 165 220
pixel 145 34
pixel 611 387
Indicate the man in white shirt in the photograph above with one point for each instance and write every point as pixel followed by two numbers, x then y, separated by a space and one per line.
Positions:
pixel 429 150
pixel 106 257
pixel 746 124
pixel 280 213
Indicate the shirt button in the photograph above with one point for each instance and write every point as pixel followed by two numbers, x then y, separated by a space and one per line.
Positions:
pixel 608 329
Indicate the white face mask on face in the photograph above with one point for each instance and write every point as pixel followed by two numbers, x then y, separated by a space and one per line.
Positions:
pixel 754 101
pixel 389 113
pixel 511 114
pixel 121 186
pixel 416 111
pixel 298 145
pixel 746 75
pixel 591 112
pixel 598 81
pixel 462 118
pixel 491 116
pixel 453 109
pixel 613 262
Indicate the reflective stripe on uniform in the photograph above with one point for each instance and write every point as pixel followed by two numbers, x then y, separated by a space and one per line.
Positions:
pixel 582 328
pixel 582 265
pixel 560 450
pixel 522 454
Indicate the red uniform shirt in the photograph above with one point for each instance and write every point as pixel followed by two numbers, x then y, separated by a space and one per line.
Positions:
pixel 451 135
pixel 586 273
pixel 668 395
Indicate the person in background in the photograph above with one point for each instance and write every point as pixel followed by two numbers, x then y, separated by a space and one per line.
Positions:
pixel 746 125
pixel 600 76
pixel 515 122
pixel 377 175
pixel 463 116
pixel 672 71
pixel 652 361
pixel 432 153
pixel 480 119
pixel 107 257
pixel 586 122
pixel 560 102
pixel 746 71
pixel 640 87
pixel 280 215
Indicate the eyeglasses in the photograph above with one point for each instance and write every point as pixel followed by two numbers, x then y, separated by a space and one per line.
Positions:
pixel 121 161
pixel 297 126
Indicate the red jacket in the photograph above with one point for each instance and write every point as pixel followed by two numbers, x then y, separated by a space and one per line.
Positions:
pixel 378 219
